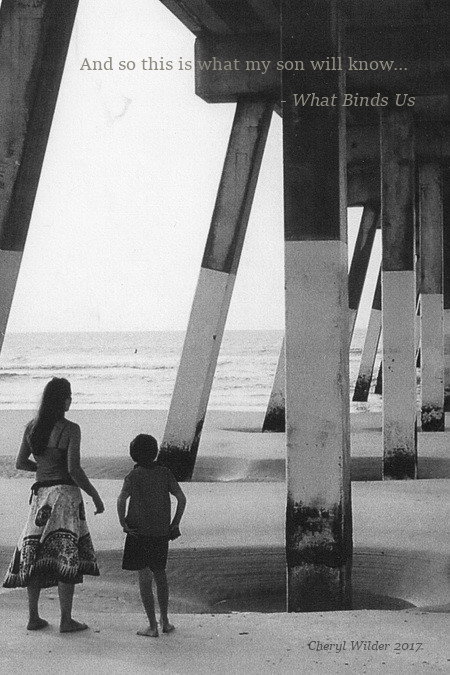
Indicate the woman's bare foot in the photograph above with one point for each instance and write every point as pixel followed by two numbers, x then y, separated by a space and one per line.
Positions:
pixel 167 627
pixel 149 632
pixel 72 626
pixel 37 624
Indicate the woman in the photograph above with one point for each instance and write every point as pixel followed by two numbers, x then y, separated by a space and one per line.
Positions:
pixel 55 547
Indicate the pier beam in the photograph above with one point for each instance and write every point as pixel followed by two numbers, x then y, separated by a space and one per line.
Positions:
pixel 432 305
pixel 34 39
pixel 215 286
pixel 369 353
pixel 318 513
pixel 398 295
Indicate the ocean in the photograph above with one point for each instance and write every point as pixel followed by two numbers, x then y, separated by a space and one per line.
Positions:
pixel 138 369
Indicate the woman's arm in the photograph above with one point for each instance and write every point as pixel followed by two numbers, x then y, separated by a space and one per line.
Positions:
pixel 75 470
pixel 23 461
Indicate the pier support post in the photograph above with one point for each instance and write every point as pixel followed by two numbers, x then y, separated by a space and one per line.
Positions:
pixel 34 39
pixel 366 366
pixel 398 295
pixel 318 513
pixel 446 233
pixel 432 314
pixel 215 286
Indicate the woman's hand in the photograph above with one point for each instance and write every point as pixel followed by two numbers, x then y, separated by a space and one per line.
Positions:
pixel 99 506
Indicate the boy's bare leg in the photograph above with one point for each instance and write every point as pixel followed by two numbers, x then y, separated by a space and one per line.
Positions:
pixel 34 620
pixel 67 624
pixel 162 589
pixel 145 588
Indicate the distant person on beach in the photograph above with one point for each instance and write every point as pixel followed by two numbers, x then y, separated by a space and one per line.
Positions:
pixel 55 548
pixel 149 527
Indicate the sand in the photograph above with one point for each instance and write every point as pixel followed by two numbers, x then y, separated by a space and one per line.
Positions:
pixel 230 558
pixel 232 446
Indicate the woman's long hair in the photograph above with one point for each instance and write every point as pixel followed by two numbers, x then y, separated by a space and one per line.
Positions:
pixel 51 409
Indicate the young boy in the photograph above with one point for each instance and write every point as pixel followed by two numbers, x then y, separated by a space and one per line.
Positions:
pixel 148 526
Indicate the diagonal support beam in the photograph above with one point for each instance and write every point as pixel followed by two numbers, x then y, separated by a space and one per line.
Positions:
pixel 34 39
pixel 215 286
pixel 275 419
pixel 369 353
pixel 360 261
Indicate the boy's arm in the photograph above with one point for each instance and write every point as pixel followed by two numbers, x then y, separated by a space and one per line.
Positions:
pixel 181 505
pixel 121 508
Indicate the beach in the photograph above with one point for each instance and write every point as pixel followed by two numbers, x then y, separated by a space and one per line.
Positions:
pixel 230 557
pixel 232 447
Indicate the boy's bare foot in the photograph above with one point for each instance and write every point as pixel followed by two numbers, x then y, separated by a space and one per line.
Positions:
pixel 72 627
pixel 149 632
pixel 167 627
pixel 37 624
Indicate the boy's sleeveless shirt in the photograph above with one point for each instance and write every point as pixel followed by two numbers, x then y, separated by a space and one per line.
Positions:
pixel 149 507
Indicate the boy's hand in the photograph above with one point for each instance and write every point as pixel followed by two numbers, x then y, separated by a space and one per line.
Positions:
pixel 130 530
pixel 174 532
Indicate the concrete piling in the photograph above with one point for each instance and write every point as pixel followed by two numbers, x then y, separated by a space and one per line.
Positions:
pixel 398 294
pixel 432 302
pixel 215 286
pixel 318 512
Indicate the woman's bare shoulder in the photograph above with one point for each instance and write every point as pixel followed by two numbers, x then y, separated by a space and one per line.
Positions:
pixel 72 427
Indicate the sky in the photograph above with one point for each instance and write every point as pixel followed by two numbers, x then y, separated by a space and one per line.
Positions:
pixel 128 188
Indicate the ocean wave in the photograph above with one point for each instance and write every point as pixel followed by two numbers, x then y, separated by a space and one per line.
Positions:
pixel 28 368
pixel 105 371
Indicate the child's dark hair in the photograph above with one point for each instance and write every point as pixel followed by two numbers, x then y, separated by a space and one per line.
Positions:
pixel 143 449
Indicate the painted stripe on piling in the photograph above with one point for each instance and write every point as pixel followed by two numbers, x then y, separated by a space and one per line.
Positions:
pixel 199 356
pixel 399 375
pixel 432 376
pixel 447 359
pixel 9 271
pixel 316 370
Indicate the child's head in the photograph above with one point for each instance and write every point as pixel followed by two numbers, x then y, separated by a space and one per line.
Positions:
pixel 143 449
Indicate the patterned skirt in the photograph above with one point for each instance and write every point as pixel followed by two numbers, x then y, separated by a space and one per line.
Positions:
pixel 55 544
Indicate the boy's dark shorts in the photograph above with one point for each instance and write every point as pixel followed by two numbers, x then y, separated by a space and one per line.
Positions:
pixel 140 552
